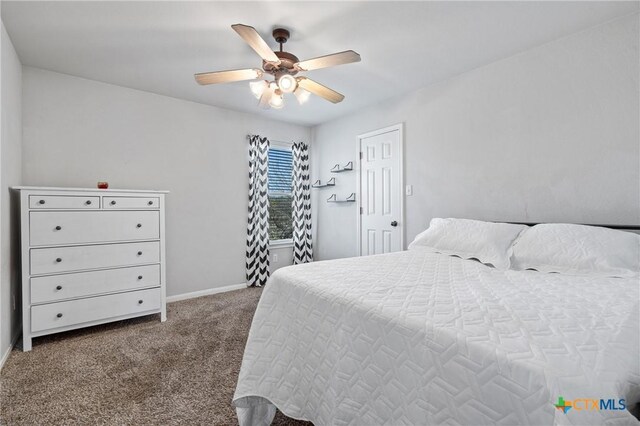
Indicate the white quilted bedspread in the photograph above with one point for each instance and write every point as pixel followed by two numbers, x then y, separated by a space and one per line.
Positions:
pixel 419 338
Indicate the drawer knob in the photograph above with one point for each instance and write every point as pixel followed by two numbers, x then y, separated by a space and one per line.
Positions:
pixel 59 287
pixel 150 203
pixel 88 202
pixel 140 302
pixel 113 203
pixel 139 277
pixel 59 315
pixel 139 253
pixel 139 225
pixel 41 202
pixel 59 260
pixel 58 228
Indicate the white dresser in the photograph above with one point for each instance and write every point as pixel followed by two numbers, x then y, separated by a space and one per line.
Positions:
pixel 89 257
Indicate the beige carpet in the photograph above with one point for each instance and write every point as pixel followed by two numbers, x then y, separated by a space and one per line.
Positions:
pixel 136 372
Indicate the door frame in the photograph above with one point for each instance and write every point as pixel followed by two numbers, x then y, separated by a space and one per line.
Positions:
pixel 400 128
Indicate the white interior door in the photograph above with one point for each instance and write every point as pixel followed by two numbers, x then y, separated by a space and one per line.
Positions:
pixel 381 191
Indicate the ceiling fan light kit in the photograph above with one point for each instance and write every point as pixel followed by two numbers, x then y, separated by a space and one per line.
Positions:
pixel 283 66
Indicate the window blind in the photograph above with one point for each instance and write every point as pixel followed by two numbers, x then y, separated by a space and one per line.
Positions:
pixel 280 180
pixel 280 170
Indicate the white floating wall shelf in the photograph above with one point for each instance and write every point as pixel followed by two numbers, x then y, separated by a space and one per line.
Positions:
pixel 338 169
pixel 319 184
pixel 334 199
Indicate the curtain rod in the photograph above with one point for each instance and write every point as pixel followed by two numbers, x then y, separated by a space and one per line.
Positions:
pixel 271 140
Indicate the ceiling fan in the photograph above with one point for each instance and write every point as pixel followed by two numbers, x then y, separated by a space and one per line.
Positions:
pixel 284 67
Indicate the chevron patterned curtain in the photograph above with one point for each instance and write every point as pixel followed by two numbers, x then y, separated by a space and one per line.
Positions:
pixel 257 256
pixel 302 244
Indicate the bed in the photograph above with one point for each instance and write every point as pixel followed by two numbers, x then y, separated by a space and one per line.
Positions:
pixel 422 338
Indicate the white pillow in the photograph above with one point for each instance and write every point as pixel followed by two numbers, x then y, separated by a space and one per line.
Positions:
pixel 486 241
pixel 578 250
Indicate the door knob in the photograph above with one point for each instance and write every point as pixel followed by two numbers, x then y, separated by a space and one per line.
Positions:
pixel 394 223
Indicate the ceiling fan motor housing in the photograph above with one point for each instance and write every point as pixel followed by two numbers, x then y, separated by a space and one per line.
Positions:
pixel 285 67
pixel 287 60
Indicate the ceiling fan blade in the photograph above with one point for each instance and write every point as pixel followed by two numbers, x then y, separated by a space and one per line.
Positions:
pixel 257 43
pixel 228 76
pixel 346 57
pixel 320 90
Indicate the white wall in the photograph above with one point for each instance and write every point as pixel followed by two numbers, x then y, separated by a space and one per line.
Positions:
pixel 78 132
pixel 551 134
pixel 10 175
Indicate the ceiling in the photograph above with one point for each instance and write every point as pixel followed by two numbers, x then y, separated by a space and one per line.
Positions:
pixel 157 46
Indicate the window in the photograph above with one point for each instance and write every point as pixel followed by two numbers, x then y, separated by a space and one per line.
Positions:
pixel 280 198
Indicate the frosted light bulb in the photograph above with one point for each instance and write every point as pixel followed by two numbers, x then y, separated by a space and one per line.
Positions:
pixel 287 83
pixel 276 101
pixel 302 95
pixel 258 88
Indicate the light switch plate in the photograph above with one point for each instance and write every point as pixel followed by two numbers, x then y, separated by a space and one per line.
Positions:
pixel 408 190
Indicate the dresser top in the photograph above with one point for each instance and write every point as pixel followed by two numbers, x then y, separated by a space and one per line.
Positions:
pixel 48 188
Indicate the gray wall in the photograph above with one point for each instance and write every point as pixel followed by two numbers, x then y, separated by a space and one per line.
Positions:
pixel 78 132
pixel 10 175
pixel 551 134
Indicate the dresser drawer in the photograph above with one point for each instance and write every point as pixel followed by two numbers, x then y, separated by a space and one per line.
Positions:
pixel 72 312
pixel 63 202
pixel 64 259
pixel 53 288
pixel 50 228
pixel 131 202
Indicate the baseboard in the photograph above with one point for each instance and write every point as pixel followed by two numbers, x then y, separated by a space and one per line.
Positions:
pixel 206 292
pixel 5 356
